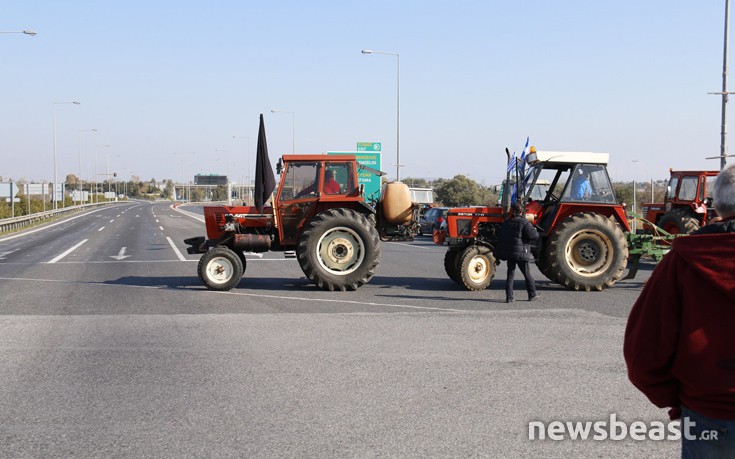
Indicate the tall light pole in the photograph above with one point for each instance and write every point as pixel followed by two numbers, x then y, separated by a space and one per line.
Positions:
pixel 55 173
pixel 227 160
pixel 95 169
pixel 107 174
pixel 398 106
pixel 635 207
pixel 247 161
pixel 79 132
pixel 293 128
pixel 183 173
pixel 32 33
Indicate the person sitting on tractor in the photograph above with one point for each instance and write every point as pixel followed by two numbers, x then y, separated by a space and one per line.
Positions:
pixel 331 186
pixel 581 188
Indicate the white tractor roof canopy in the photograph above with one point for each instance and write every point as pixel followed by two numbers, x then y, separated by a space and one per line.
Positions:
pixel 568 157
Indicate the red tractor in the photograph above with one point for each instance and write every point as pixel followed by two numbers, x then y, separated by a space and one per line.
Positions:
pixel 687 205
pixel 319 212
pixel 582 228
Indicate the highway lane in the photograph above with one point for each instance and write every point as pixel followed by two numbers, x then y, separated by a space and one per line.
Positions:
pixel 130 357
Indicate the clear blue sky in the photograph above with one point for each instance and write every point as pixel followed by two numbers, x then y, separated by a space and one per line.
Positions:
pixel 161 77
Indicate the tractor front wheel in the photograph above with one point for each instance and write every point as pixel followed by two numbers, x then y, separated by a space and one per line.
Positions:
pixel 220 269
pixel 339 250
pixel 587 251
pixel 476 267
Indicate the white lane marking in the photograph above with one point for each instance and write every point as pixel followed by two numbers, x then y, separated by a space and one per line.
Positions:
pixel 188 214
pixel 118 216
pixel 120 255
pixel 4 254
pixel 112 220
pixel 100 229
pixel 137 216
pixel 26 233
pixel 157 221
pixel 59 257
pixel 161 228
pixel 326 300
pixel 255 295
pixel 176 249
pixel 248 254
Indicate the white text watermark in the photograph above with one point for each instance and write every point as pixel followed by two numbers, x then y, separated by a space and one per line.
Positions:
pixel 612 429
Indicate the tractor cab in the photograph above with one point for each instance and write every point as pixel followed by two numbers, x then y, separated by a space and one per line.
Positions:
pixel 310 184
pixel 557 184
pixel 688 204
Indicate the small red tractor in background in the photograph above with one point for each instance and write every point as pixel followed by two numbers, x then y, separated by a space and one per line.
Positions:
pixel 687 206
pixel 582 229
pixel 336 235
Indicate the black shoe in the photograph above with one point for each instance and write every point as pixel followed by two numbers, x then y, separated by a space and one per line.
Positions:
pixel 509 300
pixel 534 297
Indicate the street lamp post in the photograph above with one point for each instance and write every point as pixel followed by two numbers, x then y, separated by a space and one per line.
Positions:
pixel 247 160
pixel 55 170
pixel 107 174
pixel 32 33
pixel 183 172
pixel 293 128
pixel 227 160
pixel 79 132
pixel 398 106
pixel 95 170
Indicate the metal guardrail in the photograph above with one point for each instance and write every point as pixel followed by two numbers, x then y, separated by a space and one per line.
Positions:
pixel 12 224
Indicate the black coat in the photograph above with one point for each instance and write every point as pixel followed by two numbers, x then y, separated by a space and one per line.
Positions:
pixel 724 226
pixel 514 240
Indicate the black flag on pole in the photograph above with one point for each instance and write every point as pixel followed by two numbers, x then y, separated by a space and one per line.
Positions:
pixel 265 181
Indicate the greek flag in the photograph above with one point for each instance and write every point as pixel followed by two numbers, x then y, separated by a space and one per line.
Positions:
pixel 524 152
pixel 512 163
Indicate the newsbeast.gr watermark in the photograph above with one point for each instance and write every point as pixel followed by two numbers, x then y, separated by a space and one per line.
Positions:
pixel 613 429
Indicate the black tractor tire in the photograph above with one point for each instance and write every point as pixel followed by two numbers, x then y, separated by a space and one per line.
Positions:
pixel 339 250
pixel 587 251
pixel 678 221
pixel 451 264
pixel 220 269
pixel 543 264
pixel 476 268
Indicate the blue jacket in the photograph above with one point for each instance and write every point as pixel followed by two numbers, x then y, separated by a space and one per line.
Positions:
pixel 514 240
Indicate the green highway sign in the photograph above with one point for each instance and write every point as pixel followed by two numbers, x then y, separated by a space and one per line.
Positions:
pixel 370 180
pixel 368 146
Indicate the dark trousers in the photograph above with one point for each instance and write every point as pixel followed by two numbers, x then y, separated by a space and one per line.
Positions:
pixel 526 270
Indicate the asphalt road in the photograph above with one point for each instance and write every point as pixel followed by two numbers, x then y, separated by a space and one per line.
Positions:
pixel 110 347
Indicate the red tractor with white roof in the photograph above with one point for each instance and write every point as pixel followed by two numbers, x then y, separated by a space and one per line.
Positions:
pixel 319 212
pixel 582 228
pixel 688 203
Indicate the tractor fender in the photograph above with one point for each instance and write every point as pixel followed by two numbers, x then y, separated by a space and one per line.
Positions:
pixel 611 211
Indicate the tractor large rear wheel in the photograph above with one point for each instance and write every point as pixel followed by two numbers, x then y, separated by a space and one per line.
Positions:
pixel 476 268
pixel 587 252
pixel 678 221
pixel 339 250
pixel 220 269
pixel 543 263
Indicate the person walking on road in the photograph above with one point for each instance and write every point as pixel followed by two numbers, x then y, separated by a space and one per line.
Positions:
pixel 679 345
pixel 514 245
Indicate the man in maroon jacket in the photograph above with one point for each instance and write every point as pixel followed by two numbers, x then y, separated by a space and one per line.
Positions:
pixel 680 338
